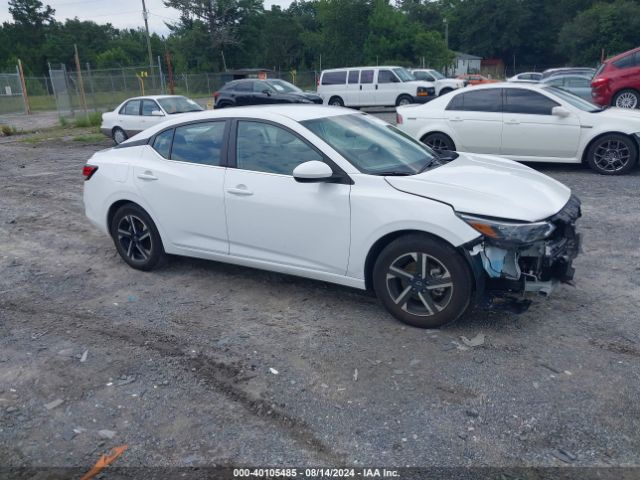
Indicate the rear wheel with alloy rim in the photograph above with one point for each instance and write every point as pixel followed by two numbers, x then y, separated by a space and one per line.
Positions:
pixel 422 281
pixel 336 102
pixel 438 142
pixel 627 99
pixel 118 135
pixel 136 237
pixel 613 154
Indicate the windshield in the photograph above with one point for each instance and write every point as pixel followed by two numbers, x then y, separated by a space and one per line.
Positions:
pixel 371 145
pixel 404 74
pixel 574 100
pixel 283 87
pixel 173 105
pixel 437 74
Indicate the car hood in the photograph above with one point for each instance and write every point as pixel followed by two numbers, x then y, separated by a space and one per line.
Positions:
pixel 488 186
pixel 299 95
pixel 627 114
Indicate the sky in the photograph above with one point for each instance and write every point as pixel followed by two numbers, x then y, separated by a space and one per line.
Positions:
pixel 120 13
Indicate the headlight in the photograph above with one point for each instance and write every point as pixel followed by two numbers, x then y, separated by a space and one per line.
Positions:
pixel 509 232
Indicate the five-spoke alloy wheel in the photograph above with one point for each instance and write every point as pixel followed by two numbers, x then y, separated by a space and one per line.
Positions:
pixel 438 142
pixel 422 281
pixel 612 154
pixel 136 237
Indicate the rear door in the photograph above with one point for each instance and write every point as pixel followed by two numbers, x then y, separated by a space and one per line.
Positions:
pixel 367 96
pixel 129 117
pixel 181 177
pixel 243 93
pixel 476 118
pixel 530 130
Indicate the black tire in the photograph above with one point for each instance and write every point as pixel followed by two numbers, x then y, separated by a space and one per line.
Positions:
pixel 444 91
pixel 144 251
pixel 118 135
pixel 627 98
pixel 406 287
pixel 224 105
pixel 438 142
pixel 403 100
pixel 336 102
pixel 612 154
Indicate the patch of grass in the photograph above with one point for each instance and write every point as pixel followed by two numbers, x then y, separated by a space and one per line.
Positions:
pixel 91 137
pixel 64 123
pixel 93 119
pixel 8 130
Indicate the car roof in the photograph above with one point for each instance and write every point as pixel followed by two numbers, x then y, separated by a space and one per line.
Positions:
pixel 355 68
pixel 568 74
pixel 623 54
pixel 296 112
pixel 153 97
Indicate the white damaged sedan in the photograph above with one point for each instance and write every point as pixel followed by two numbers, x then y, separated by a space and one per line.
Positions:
pixel 336 195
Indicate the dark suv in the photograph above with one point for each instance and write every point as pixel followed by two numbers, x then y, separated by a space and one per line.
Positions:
pixel 617 81
pixel 260 92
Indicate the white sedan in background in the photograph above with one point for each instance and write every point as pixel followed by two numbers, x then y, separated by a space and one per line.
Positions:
pixel 137 114
pixel 528 123
pixel 335 195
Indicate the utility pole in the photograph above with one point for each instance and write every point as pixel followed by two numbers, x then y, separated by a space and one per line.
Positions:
pixel 145 15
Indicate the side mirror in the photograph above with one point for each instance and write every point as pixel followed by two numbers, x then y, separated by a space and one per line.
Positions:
pixel 267 92
pixel 313 171
pixel 157 113
pixel 447 155
pixel 560 112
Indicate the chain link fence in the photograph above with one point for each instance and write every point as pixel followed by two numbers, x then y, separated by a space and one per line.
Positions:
pixel 105 89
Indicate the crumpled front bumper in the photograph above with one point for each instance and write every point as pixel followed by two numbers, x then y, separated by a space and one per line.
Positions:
pixel 504 271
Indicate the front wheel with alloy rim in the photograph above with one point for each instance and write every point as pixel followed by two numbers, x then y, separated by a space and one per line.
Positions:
pixel 136 237
pixel 438 142
pixel 627 99
pixel 612 154
pixel 422 281
pixel 118 135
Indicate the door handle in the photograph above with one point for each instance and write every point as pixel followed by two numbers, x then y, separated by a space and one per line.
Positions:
pixel 147 176
pixel 360 87
pixel 456 119
pixel 240 190
pixel 512 122
pixel 376 86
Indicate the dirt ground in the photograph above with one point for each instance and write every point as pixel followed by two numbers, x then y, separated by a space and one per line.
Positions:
pixel 202 363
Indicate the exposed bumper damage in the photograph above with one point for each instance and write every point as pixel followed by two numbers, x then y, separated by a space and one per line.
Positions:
pixel 506 271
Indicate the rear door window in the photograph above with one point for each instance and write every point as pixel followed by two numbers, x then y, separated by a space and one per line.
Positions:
pixel 353 76
pixel 243 87
pixel 366 76
pixel 131 108
pixel 523 101
pixel 629 61
pixel 334 78
pixel 487 100
pixel 199 143
pixel 162 143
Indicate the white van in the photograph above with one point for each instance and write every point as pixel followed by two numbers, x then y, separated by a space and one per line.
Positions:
pixel 372 86
pixel 443 84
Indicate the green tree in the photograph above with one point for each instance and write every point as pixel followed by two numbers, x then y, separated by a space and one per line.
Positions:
pixel 609 27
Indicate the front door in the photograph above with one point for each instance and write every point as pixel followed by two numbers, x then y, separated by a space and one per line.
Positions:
pixel 530 130
pixel 181 178
pixel 273 218
pixel 386 88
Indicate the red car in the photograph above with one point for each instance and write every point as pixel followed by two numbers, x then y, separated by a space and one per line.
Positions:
pixel 617 81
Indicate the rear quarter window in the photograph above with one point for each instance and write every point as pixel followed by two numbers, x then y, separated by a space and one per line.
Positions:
pixel 334 78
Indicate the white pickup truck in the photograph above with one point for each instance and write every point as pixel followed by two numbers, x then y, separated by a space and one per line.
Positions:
pixel 441 83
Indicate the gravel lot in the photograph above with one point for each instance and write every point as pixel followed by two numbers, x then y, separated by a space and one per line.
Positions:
pixel 176 363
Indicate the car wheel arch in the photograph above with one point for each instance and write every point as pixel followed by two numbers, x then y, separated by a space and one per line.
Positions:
pixel 624 89
pixel 113 208
pixel 441 132
pixel 382 242
pixel 587 147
